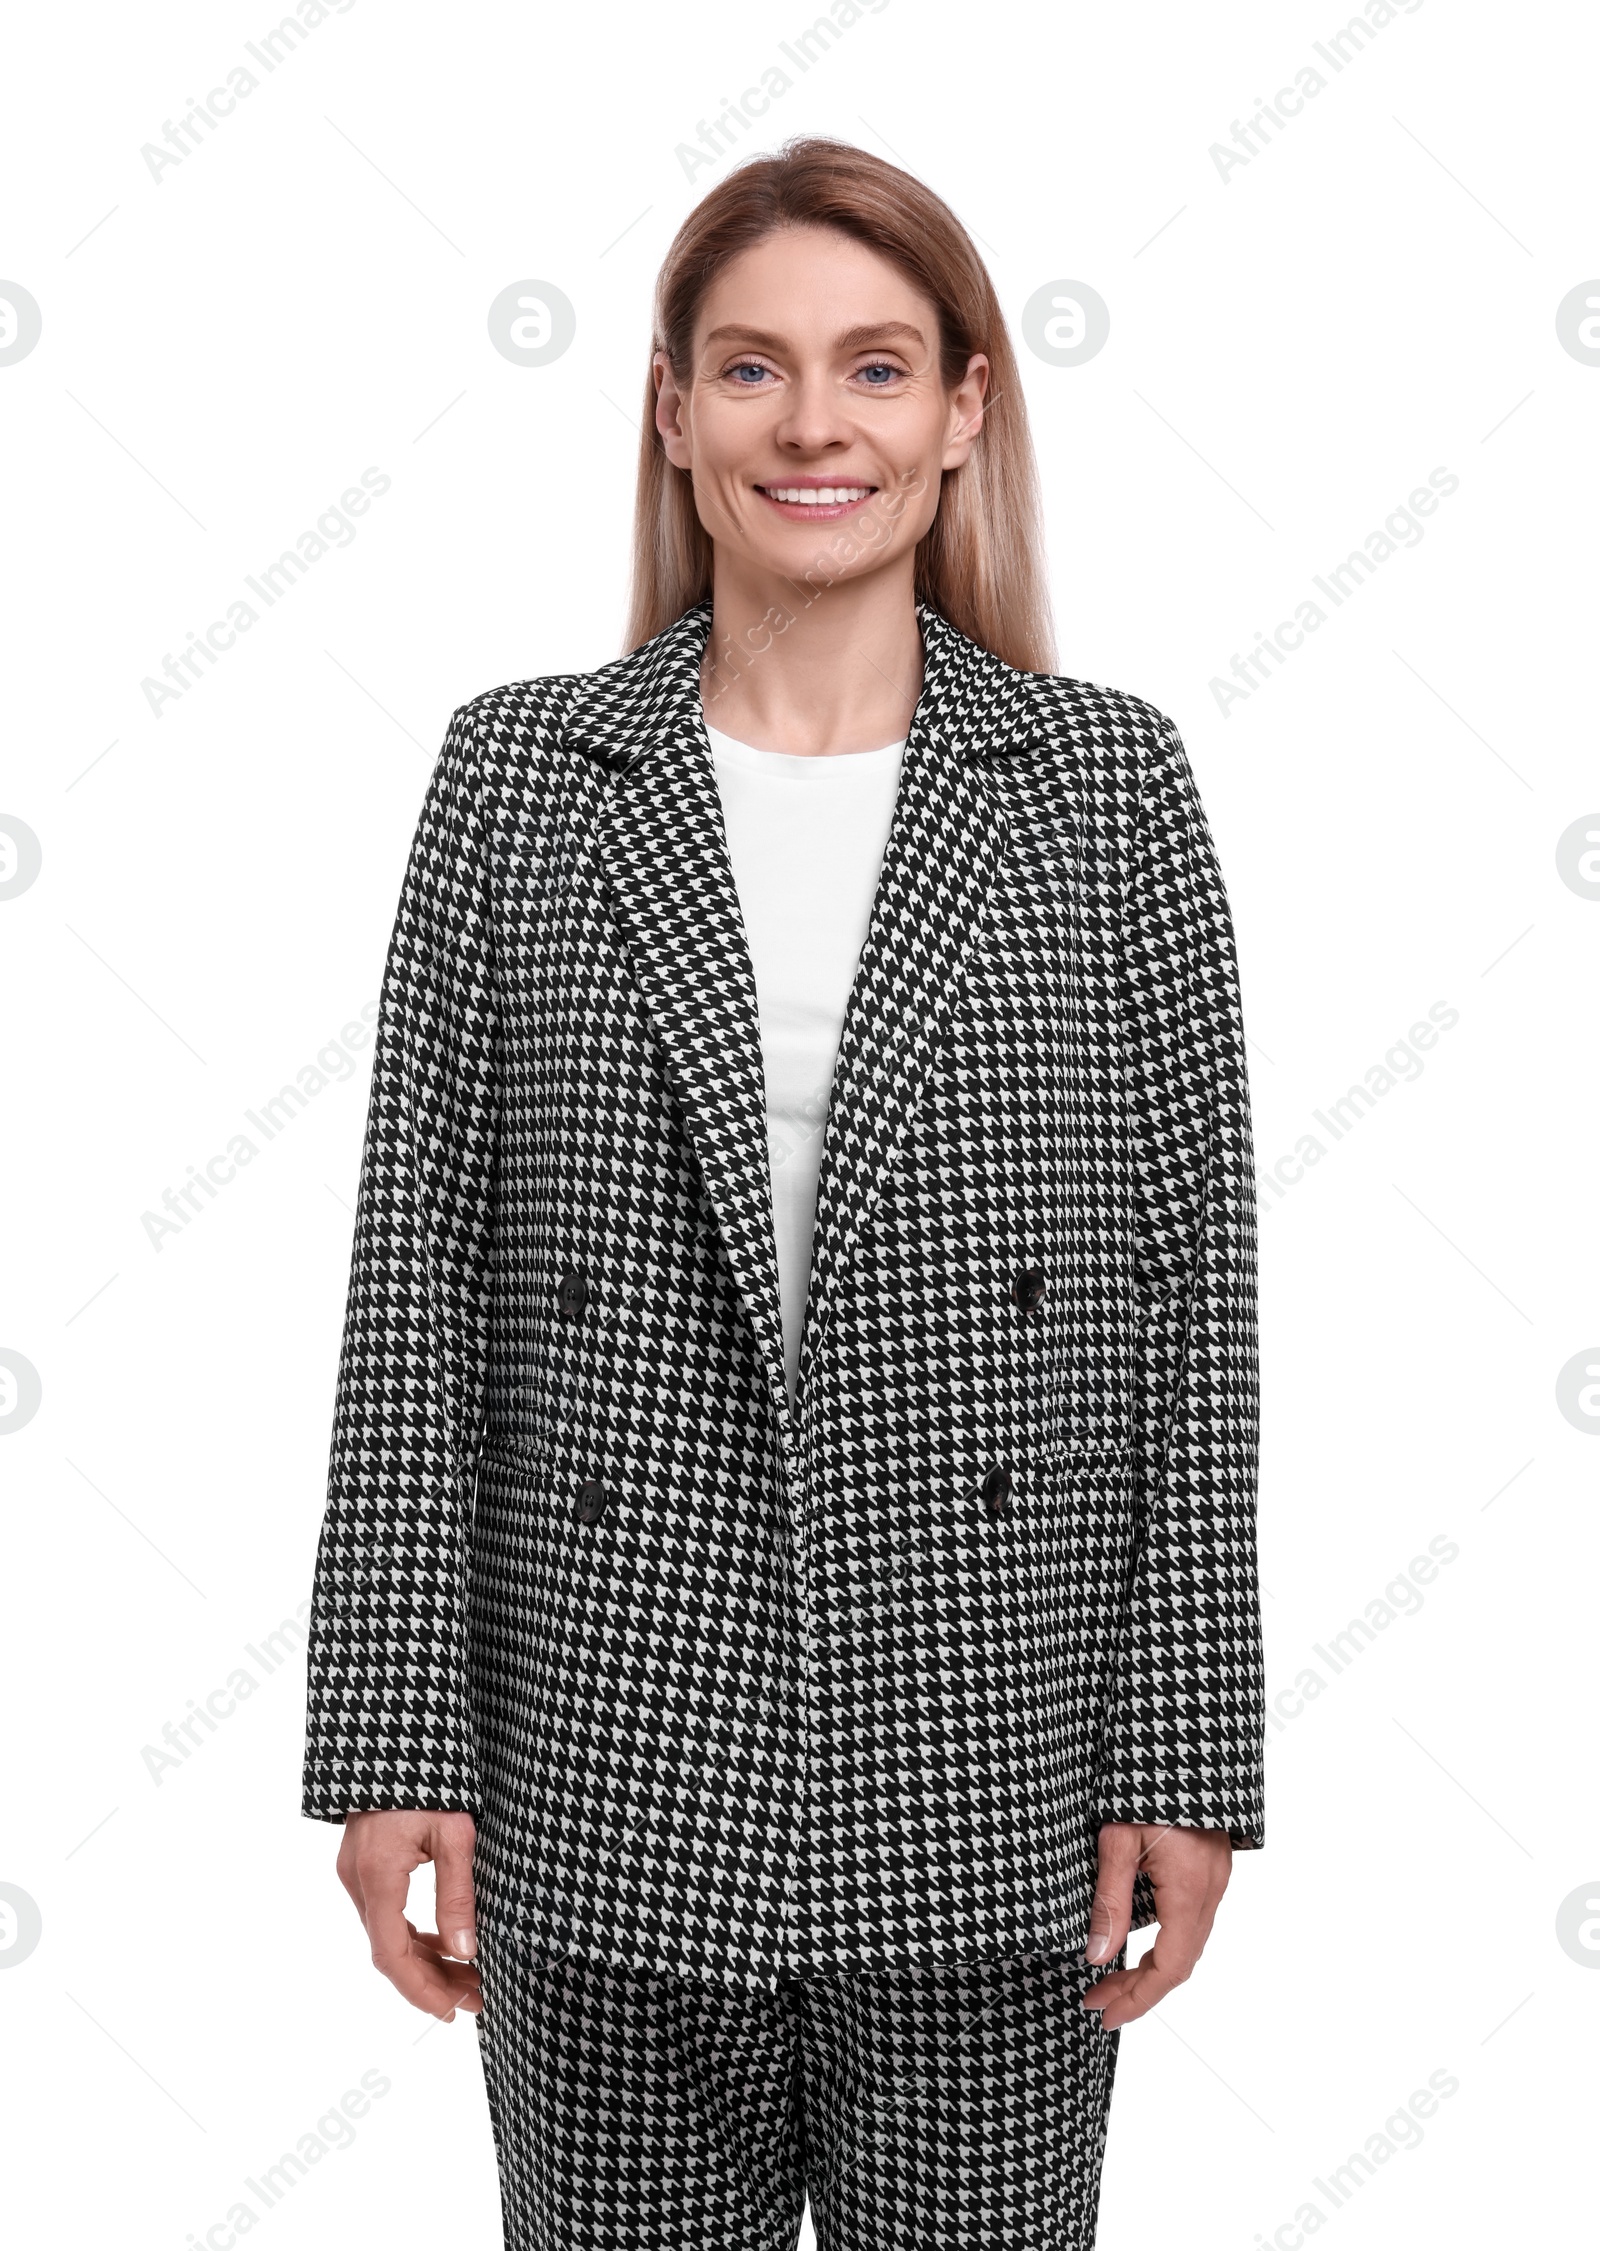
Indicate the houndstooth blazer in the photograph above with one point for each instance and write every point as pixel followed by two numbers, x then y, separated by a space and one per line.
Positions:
pixel 731 1686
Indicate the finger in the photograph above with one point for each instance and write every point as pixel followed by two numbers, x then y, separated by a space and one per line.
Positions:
pixel 348 1868
pixel 1127 1994
pixel 434 1983
pixel 431 1943
pixel 1111 1914
pixel 432 1948
pixel 460 1980
pixel 1115 1999
pixel 1185 1919
pixel 372 1841
pixel 452 1888
pixel 429 1950
pixel 1189 1868
pixel 386 1882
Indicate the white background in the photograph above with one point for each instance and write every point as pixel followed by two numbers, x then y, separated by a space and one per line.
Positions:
pixel 1292 351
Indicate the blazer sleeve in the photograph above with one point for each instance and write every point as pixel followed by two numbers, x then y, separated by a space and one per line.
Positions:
pixel 1186 1726
pixel 387 1720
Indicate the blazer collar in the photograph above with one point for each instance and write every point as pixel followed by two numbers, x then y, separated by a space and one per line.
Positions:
pixel 666 863
pixel 648 701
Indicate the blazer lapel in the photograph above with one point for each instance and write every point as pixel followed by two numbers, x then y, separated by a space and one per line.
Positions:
pixel 945 844
pixel 665 855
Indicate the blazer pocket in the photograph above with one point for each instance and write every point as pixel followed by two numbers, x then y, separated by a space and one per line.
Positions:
pixel 1088 1453
pixel 1070 1454
pixel 522 1450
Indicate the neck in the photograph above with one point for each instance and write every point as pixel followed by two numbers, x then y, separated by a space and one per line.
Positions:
pixel 812 670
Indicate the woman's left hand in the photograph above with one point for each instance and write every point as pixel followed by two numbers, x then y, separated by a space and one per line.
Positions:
pixel 1188 1870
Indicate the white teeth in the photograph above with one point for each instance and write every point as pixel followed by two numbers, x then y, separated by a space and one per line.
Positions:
pixel 817 496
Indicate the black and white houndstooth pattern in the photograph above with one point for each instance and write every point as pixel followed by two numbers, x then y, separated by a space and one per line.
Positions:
pixel 735 1690
pixel 935 2106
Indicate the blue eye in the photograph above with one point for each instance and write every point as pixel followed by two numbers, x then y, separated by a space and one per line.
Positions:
pixel 878 367
pixel 747 367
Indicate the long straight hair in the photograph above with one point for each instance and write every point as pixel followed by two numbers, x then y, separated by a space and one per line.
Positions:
pixel 981 562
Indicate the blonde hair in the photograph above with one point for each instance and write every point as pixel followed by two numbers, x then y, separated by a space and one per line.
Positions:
pixel 981 562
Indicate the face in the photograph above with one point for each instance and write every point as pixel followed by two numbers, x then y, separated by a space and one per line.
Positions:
pixel 813 419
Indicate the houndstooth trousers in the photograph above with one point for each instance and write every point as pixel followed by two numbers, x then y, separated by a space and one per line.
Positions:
pixel 947 2106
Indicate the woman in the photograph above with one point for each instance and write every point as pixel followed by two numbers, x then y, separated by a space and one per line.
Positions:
pixel 789 1560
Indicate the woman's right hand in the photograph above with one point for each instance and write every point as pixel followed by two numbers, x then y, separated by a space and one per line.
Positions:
pixel 376 1857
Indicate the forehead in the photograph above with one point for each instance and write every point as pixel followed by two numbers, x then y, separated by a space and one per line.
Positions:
pixel 810 284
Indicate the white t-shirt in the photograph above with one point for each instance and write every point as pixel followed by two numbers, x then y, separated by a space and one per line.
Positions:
pixel 806 837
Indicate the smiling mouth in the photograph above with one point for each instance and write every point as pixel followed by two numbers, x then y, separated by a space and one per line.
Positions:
pixel 817 499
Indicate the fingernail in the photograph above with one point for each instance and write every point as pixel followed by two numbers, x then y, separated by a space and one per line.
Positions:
pixel 466 1945
pixel 1098 1947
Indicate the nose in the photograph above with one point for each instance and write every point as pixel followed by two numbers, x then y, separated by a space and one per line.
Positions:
pixel 814 416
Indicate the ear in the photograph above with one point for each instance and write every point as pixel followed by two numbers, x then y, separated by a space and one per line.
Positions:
pixel 669 412
pixel 966 412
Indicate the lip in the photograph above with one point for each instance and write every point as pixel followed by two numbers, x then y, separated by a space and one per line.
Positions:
pixel 813 511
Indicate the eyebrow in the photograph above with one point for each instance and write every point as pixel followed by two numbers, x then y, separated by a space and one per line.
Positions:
pixel 869 332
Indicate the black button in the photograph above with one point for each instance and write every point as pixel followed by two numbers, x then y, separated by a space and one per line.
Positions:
pixel 592 1497
pixel 572 1294
pixel 1028 1288
pixel 997 1490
